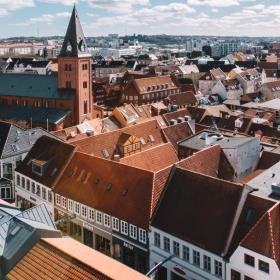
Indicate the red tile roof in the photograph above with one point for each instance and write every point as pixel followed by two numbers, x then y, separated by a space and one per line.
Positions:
pixel 66 258
pixel 54 153
pixel 153 159
pixel 199 209
pixel 176 133
pixel 87 178
pixel 182 99
pixel 174 115
pixel 264 237
pixel 96 144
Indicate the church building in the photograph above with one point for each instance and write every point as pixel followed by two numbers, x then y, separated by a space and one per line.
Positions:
pixel 53 102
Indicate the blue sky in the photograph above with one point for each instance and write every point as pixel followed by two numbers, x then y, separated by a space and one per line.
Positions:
pixel 100 17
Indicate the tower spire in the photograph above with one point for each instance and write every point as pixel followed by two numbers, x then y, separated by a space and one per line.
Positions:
pixel 74 44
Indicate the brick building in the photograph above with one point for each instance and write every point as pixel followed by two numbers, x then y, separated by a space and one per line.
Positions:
pixel 50 101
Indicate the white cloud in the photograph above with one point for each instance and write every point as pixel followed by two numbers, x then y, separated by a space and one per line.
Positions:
pixel 118 6
pixel 214 3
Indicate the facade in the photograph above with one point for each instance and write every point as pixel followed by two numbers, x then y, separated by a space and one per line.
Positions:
pixel 15 143
pixel 149 90
pixel 228 89
pixel 270 90
pixel 36 175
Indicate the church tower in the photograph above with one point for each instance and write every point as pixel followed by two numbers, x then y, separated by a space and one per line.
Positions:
pixel 74 69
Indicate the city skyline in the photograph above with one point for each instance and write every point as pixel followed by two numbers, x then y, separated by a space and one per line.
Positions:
pixel 101 17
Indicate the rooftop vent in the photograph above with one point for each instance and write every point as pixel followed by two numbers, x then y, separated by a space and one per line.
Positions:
pixel 105 153
pixel 173 122
pixel 125 191
pixel 109 187
pixel 151 138
pixel 180 120
pixel 90 132
pixel 54 171
pixel 142 140
pixel 117 157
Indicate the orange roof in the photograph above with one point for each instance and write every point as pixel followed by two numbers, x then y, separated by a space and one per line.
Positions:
pixel 105 185
pixel 66 258
pixel 263 238
pixel 153 159
pixel 95 145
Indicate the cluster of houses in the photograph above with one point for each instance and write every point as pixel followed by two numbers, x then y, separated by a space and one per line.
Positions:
pixel 182 175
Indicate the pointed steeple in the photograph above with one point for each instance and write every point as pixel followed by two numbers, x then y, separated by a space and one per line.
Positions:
pixel 74 41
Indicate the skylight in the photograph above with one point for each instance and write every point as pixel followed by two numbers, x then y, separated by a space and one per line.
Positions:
pixel 105 153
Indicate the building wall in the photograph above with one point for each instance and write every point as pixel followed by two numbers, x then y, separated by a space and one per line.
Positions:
pixel 268 94
pixel 187 268
pixel 237 263
pixel 206 86
pixel 79 75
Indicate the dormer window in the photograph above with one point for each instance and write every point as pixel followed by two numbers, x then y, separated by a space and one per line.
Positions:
pixel 37 169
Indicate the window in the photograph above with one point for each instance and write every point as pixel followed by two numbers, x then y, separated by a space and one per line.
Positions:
pixel 37 169
pixel 28 185
pixel 77 208
pixel 84 84
pixel 64 202
pixel 70 205
pixel 18 180
pixel 33 187
pixel 196 258
pixel 49 196
pixel 207 263
pixel 157 239
pixel 249 260
pixel 44 194
pixel 38 191
pixel 235 275
pixel 68 84
pixel 85 107
pixel 142 236
pixel 115 224
pixel 133 231
pixel 66 67
pixel 91 214
pixel 263 266
pixel 218 269
pixel 166 244
pixel 57 199
pixel 248 278
pixel 84 211
pixel 176 249
pixel 124 227
pixel 107 220
pixel 186 253
pixel 23 182
pixel 99 217
pixel 84 67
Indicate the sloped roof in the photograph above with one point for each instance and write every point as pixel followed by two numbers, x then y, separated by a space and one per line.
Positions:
pixel 54 153
pixel 128 197
pixel 74 43
pixel 182 99
pixel 153 159
pixel 15 140
pixel 21 230
pixel 95 145
pixel 176 133
pixel 174 115
pixel 198 209
pixel 35 86
pixel 66 258
pixel 263 238
pixel 253 210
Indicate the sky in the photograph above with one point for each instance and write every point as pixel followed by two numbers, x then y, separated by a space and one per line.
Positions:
pixel 174 17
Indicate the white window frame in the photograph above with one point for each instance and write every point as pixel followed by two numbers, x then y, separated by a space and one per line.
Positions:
pixel 124 227
pixel 142 236
pixel 115 224
pixel 63 202
pixel 77 206
pixel 107 220
pixel 83 207
pixel 97 215
pixel 57 199
pixel 133 231
pixel 91 214
pixel 70 205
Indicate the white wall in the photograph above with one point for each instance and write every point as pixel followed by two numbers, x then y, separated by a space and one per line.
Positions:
pixel 237 263
pixel 191 271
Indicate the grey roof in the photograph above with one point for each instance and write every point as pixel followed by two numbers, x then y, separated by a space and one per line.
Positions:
pixel 19 231
pixel 263 182
pixel 74 41
pixel 15 140
pixel 198 141
pixel 35 86
pixel 39 115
